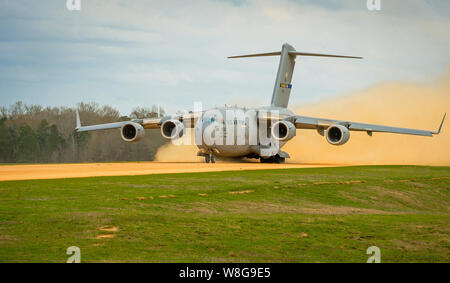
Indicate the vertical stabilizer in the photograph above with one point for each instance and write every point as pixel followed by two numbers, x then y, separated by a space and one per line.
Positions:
pixel 283 86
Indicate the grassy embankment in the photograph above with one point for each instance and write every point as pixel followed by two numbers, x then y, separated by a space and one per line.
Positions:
pixel 292 215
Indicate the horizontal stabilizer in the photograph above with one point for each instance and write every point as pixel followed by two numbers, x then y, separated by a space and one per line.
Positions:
pixel 295 53
pixel 321 55
pixel 258 55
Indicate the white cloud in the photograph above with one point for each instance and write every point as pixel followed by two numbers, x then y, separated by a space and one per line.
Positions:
pixel 172 53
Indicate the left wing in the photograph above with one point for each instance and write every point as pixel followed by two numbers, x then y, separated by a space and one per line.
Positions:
pixel 303 122
pixel 187 119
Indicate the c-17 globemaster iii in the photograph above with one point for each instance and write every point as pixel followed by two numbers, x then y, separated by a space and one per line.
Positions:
pixel 252 133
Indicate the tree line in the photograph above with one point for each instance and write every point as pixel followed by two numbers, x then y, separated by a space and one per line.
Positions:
pixel 37 134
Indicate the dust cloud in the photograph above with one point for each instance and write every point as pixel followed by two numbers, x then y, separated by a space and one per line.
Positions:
pixel 402 104
pixel 179 153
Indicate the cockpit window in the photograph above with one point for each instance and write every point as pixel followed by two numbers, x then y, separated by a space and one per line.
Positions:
pixel 212 117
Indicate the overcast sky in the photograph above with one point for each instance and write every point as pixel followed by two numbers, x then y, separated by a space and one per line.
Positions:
pixel 140 52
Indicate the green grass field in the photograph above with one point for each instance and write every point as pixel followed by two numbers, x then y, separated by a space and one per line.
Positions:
pixel 286 215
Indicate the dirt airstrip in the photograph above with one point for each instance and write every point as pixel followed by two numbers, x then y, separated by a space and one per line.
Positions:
pixel 58 171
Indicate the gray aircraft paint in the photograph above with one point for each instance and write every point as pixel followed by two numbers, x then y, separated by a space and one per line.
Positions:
pixel 277 111
pixel 236 135
pixel 282 88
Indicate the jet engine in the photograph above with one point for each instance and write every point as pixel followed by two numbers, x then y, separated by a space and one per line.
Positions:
pixel 283 130
pixel 337 134
pixel 132 132
pixel 172 129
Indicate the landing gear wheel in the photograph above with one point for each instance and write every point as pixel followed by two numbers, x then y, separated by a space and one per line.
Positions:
pixel 213 159
pixel 276 159
pixel 273 159
pixel 207 158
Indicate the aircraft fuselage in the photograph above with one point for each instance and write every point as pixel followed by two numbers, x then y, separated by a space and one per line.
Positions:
pixel 238 132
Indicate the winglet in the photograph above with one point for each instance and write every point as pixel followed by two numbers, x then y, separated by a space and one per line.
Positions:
pixel 78 121
pixel 440 127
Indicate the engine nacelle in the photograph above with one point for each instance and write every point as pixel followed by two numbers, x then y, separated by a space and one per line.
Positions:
pixel 337 135
pixel 132 132
pixel 283 130
pixel 172 129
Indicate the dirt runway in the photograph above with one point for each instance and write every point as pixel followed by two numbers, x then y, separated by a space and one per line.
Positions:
pixel 58 171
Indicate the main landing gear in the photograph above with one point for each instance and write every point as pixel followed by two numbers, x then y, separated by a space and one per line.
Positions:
pixel 210 157
pixel 273 159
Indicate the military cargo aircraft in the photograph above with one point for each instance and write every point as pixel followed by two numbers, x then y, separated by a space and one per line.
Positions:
pixel 252 133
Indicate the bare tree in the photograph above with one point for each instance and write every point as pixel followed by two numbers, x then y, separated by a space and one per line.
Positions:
pixel 146 112
pixel 47 134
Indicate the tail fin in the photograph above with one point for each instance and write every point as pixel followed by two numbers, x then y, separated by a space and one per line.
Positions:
pixel 283 86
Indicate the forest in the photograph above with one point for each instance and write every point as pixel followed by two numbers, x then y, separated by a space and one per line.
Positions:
pixel 38 134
